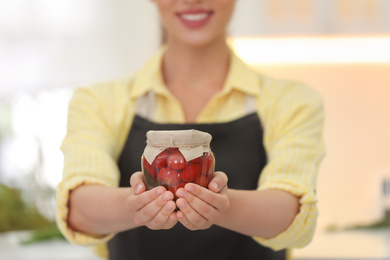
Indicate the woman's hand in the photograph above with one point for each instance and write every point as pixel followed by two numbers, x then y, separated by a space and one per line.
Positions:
pixel 153 208
pixel 200 208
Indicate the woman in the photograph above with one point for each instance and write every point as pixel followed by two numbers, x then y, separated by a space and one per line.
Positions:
pixel 266 140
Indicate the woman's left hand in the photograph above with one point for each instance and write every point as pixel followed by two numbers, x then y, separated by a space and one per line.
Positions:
pixel 200 208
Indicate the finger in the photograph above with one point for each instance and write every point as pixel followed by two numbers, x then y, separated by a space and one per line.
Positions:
pixel 172 220
pixel 165 218
pixel 159 211
pixel 218 182
pixel 166 207
pixel 137 182
pixel 202 207
pixel 217 200
pixel 191 214
pixel 142 200
pixel 184 221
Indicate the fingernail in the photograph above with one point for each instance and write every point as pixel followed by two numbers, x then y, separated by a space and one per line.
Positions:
pixel 169 207
pixel 159 191
pixel 181 193
pixel 180 214
pixel 181 204
pixel 138 188
pixel 214 185
pixel 166 196
pixel 190 187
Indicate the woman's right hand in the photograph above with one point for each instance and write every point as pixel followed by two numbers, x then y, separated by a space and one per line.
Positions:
pixel 153 208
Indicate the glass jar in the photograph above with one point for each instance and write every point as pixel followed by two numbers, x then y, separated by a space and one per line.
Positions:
pixel 174 158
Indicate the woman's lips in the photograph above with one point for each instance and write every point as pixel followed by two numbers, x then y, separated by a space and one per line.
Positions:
pixel 195 19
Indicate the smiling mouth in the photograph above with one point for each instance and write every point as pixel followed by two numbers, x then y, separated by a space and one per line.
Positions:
pixel 194 17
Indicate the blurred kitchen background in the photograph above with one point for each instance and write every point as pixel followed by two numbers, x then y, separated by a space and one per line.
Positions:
pixel 339 47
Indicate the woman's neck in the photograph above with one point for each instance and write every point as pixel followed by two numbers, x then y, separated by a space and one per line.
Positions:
pixel 196 67
pixel 194 74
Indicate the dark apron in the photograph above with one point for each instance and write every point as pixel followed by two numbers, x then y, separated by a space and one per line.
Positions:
pixel 239 152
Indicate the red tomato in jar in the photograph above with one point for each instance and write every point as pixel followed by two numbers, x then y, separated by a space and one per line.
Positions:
pixel 197 160
pixel 176 160
pixel 168 176
pixel 191 172
pixel 202 181
pixel 151 170
pixel 161 160
pixel 173 189
pixel 172 149
pixel 207 164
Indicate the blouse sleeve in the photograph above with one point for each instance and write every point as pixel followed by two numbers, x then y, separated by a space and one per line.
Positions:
pixel 293 125
pixel 88 157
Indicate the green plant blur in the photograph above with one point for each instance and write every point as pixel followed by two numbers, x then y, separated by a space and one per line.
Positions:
pixel 17 215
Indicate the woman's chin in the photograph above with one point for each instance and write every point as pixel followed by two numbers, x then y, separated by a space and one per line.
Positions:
pixel 199 41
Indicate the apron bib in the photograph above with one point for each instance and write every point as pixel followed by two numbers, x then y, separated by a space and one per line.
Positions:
pixel 239 152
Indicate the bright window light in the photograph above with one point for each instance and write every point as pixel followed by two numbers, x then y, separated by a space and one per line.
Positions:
pixel 313 49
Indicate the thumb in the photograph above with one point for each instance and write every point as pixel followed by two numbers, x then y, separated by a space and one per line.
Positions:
pixel 218 182
pixel 137 183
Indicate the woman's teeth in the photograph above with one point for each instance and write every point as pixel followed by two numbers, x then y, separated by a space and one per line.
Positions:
pixel 194 17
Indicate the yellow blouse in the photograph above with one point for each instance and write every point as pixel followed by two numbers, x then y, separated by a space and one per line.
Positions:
pixel 291 114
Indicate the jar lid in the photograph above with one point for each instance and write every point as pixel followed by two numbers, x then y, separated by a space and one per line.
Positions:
pixel 191 143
